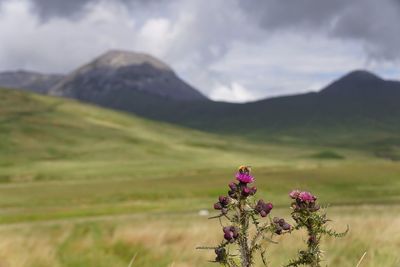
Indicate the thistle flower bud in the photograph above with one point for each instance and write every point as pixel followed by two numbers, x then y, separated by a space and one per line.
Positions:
pixel 286 226
pixel 226 229
pixel 235 231
pixel 278 230
pixel 224 200
pixel 221 254
pixel 245 191
pixel 230 233
pixel 280 225
pixel 263 208
pixel 222 204
pixel 217 206
pixel 233 186
pixel 253 190
pixel 263 213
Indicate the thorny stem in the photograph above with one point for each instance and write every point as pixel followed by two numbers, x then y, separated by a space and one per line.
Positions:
pixel 243 240
pixel 313 244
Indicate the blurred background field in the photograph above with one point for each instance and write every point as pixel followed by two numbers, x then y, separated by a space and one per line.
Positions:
pixel 85 186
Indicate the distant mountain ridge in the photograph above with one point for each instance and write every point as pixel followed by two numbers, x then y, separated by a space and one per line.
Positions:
pixel 109 80
pixel 29 80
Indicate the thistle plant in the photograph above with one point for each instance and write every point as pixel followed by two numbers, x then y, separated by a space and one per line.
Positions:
pixel 307 215
pixel 245 228
pixel 241 212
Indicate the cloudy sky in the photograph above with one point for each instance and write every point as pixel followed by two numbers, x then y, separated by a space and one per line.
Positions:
pixel 233 50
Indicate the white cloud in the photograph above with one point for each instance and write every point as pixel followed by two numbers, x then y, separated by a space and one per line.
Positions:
pixel 289 63
pixel 155 32
pixel 235 92
pixel 60 44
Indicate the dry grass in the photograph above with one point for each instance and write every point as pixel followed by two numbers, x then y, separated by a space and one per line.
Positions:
pixel 170 240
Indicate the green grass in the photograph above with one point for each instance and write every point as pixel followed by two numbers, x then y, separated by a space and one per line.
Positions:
pixel 92 187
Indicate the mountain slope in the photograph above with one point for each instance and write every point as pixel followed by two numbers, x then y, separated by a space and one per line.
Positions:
pixel 353 96
pixel 117 76
pixel 29 81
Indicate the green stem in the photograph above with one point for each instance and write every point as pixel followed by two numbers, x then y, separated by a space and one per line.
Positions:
pixel 245 252
pixel 313 244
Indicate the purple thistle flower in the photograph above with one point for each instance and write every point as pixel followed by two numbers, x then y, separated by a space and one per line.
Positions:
pixel 306 197
pixel 294 194
pixel 245 178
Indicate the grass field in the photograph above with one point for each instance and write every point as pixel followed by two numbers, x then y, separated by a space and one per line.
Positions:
pixel 83 186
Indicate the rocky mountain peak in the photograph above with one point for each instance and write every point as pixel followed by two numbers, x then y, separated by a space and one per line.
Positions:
pixel 119 58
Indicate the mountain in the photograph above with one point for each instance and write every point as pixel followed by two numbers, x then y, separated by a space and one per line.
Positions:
pixel 29 80
pixel 357 97
pixel 118 78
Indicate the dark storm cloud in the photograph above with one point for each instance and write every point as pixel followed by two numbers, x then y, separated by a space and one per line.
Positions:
pixel 49 8
pixel 71 8
pixel 274 14
pixel 374 23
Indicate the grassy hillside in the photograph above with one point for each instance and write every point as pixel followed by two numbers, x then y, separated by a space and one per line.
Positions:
pixel 85 186
pixel 45 138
